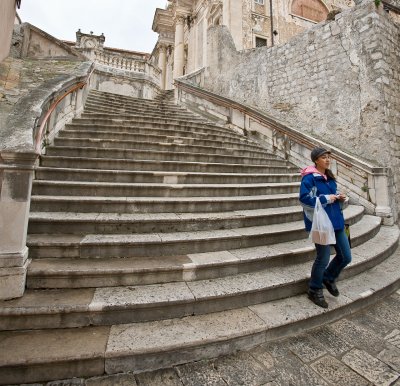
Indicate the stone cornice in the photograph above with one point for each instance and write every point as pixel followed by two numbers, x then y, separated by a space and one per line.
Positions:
pixel 163 21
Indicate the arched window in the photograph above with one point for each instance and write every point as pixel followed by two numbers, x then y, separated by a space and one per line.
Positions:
pixel 314 10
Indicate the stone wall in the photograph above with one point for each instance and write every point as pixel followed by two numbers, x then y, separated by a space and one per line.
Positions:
pixel 29 41
pixel 338 82
pixel 7 17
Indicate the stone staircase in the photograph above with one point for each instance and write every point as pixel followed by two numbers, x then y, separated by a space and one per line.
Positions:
pixel 158 238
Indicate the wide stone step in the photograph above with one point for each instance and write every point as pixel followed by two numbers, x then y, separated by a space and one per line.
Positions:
pixel 116 98
pixel 108 189
pixel 104 104
pixel 200 140
pixel 129 101
pixel 168 244
pixel 160 204
pixel 118 108
pixel 118 305
pixel 146 346
pixel 78 273
pixel 174 124
pixel 163 166
pixel 149 118
pixel 101 175
pixel 158 146
pixel 143 113
pixel 117 223
pixel 140 154
pixel 166 130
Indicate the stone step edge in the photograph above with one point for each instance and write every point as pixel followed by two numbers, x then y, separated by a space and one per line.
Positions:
pixel 156 173
pixel 131 100
pixel 91 107
pixel 234 145
pixel 166 185
pixel 150 346
pixel 147 145
pixel 167 162
pixel 63 216
pixel 149 118
pixel 182 123
pixel 132 200
pixel 167 153
pixel 189 163
pixel 79 124
pixel 191 294
pixel 160 137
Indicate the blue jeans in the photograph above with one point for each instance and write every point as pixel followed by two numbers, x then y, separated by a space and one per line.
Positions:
pixel 321 270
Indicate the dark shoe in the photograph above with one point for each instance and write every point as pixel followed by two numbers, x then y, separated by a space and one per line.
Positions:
pixel 331 287
pixel 317 297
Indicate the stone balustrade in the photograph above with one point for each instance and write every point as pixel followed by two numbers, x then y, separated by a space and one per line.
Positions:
pixel 119 62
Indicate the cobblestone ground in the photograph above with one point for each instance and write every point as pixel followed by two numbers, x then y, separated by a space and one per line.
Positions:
pixel 359 350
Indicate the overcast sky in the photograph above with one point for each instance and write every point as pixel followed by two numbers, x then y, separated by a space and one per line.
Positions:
pixel 125 23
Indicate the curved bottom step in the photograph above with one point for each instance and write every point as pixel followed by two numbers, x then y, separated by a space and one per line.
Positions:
pixel 149 346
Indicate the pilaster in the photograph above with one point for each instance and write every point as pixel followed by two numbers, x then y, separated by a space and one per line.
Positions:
pixel 16 173
pixel 162 64
pixel 179 47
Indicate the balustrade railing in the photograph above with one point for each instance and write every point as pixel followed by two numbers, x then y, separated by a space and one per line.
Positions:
pixel 120 62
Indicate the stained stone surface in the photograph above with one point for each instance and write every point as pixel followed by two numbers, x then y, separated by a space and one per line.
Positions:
pixel 306 349
pixel 166 377
pixel 370 322
pixel 113 380
pixel 242 369
pixel 376 371
pixel 391 356
pixel 335 372
pixel 331 341
pixel 359 336
pixel 200 373
pixel 292 371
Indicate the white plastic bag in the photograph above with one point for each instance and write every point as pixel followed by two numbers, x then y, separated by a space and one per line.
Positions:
pixel 322 231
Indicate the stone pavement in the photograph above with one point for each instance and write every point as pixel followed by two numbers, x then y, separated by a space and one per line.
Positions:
pixel 359 350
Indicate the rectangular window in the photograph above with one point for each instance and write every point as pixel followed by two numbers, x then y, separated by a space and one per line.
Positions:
pixel 259 2
pixel 260 42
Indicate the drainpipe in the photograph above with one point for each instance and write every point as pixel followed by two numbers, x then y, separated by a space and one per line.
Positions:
pixel 272 23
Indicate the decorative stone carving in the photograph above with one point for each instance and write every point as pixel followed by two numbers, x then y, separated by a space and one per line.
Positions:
pixel 89 41
pixel 314 10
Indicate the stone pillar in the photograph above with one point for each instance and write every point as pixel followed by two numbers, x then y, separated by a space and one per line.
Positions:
pixel 162 64
pixel 233 19
pixel 16 173
pixel 179 49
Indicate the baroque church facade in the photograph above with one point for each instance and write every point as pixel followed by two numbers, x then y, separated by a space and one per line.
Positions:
pixel 183 25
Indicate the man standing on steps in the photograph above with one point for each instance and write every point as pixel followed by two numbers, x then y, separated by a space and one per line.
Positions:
pixel 319 181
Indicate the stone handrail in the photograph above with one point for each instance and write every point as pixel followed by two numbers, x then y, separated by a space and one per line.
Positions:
pixel 77 86
pixel 367 184
pixel 41 113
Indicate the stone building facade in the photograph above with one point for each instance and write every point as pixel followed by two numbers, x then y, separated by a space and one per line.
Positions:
pixel 7 18
pixel 183 25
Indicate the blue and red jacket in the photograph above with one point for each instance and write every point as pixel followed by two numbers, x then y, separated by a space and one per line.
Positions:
pixel 313 185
